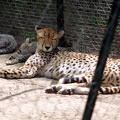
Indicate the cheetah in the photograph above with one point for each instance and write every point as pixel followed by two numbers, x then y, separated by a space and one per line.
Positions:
pixel 74 71
pixel 26 49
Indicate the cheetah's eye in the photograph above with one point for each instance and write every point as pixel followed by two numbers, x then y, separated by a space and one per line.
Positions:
pixel 41 37
pixel 54 39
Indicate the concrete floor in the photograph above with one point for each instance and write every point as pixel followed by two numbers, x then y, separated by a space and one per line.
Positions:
pixel 25 99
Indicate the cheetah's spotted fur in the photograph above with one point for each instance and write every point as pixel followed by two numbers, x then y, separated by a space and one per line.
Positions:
pixel 73 70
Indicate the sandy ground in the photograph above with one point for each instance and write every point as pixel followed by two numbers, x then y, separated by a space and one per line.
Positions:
pixel 25 99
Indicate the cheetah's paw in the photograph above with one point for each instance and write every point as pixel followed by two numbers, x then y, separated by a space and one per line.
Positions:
pixel 59 90
pixel 66 91
pixel 52 89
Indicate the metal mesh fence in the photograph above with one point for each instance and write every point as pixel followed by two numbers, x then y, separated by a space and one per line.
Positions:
pixel 84 21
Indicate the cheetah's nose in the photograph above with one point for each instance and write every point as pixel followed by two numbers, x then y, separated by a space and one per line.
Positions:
pixel 47 47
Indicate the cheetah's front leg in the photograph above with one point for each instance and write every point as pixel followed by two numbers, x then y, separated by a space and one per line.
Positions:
pixel 17 58
pixel 67 89
pixel 77 84
pixel 28 70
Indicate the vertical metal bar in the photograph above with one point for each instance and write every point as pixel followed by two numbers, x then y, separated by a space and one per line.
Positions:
pixel 60 20
pixel 105 48
pixel 60 15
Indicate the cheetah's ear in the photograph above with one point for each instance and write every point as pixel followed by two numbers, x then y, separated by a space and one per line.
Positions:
pixel 37 27
pixel 27 40
pixel 60 34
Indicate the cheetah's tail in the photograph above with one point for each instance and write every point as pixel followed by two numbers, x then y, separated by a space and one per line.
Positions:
pixel 110 89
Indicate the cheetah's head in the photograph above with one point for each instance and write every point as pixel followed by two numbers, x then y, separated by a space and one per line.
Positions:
pixel 47 38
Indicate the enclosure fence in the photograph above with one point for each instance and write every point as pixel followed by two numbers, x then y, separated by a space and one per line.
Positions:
pixel 84 21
